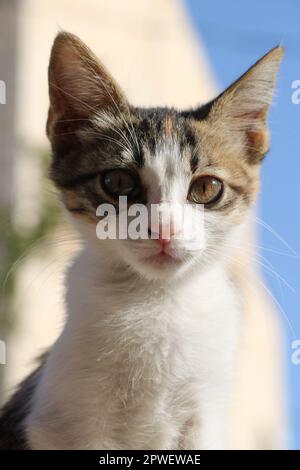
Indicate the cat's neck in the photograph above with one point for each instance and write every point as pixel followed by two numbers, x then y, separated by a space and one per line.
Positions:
pixel 103 269
pixel 99 283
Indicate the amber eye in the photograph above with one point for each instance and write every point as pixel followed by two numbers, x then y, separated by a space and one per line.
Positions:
pixel 120 183
pixel 205 190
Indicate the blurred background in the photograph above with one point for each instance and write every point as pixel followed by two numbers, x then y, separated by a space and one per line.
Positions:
pixel 162 52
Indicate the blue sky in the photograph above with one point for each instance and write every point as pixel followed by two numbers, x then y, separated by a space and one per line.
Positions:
pixel 235 35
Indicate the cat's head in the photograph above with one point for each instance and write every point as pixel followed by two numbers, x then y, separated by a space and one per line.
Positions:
pixel 206 158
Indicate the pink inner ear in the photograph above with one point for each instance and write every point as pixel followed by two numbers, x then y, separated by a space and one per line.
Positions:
pixel 253 114
pixel 257 135
pixel 256 138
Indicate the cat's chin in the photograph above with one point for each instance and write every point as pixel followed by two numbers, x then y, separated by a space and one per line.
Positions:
pixel 160 266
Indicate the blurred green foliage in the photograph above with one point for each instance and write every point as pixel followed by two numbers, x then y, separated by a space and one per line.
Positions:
pixel 16 244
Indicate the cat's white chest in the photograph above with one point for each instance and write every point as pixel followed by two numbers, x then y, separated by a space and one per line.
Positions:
pixel 137 360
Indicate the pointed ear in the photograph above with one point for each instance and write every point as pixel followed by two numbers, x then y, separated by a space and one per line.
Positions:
pixel 242 109
pixel 79 86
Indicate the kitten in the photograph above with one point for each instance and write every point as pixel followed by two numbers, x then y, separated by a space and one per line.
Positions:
pixel 147 354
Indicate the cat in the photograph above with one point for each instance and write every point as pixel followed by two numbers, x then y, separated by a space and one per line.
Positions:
pixel 147 355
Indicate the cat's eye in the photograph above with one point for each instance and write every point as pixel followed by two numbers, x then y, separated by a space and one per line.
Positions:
pixel 205 190
pixel 119 182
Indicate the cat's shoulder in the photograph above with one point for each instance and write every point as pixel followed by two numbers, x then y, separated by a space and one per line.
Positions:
pixel 14 413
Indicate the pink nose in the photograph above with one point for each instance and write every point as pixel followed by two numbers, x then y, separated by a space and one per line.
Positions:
pixel 164 235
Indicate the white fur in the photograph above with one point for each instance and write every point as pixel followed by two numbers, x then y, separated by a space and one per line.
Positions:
pixel 137 363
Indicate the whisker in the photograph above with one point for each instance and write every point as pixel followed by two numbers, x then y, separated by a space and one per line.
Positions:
pixel 260 282
pixel 276 235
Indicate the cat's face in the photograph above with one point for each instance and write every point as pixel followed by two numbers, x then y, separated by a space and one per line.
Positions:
pixel 204 161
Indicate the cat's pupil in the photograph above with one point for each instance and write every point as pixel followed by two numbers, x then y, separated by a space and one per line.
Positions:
pixel 205 190
pixel 119 183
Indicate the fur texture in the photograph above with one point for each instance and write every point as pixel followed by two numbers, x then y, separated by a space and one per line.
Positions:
pixel 146 358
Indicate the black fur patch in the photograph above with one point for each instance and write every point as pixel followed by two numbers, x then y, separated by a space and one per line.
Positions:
pixel 16 410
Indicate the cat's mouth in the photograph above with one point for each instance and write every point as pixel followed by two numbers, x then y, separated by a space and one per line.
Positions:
pixel 162 257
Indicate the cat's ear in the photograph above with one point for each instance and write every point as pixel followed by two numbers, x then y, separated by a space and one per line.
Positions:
pixel 242 109
pixel 79 86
